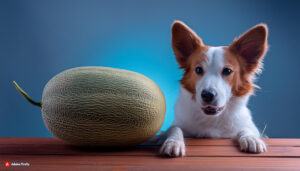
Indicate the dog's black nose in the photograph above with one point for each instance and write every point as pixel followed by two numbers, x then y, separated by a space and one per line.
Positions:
pixel 208 95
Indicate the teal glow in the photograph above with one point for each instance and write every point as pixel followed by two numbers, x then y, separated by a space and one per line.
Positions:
pixel 145 55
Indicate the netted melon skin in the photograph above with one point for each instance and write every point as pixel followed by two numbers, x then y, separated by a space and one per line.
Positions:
pixel 104 107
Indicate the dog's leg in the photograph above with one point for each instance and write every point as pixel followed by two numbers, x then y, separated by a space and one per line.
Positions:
pixel 251 142
pixel 174 143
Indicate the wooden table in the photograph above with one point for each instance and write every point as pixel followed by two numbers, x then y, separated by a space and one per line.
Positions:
pixel 205 154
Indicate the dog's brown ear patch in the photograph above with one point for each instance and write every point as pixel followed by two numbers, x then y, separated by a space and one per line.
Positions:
pixel 184 42
pixel 252 46
pixel 246 54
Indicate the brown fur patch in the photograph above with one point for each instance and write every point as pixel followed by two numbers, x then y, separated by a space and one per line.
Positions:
pixel 184 42
pixel 240 80
pixel 190 77
pixel 245 55
pixel 190 52
pixel 251 46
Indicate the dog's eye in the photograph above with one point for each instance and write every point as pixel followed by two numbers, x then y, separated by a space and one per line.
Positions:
pixel 199 70
pixel 226 71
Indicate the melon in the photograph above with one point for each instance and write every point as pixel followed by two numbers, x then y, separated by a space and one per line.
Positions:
pixel 100 106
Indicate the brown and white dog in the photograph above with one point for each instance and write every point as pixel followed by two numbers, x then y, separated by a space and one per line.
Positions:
pixel 215 89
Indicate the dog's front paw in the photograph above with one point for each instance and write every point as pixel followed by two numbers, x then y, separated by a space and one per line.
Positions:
pixel 252 144
pixel 173 148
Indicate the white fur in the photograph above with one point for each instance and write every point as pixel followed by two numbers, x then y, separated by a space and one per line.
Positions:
pixel 234 121
pixel 212 77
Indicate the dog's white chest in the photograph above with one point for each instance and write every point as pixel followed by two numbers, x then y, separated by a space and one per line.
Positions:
pixel 194 123
pixel 208 128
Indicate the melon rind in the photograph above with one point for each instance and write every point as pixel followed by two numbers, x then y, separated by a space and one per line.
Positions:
pixel 100 106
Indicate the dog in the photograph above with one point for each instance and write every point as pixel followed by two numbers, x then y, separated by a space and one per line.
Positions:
pixel 215 89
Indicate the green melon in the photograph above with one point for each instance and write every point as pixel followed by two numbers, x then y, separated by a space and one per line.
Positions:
pixel 99 106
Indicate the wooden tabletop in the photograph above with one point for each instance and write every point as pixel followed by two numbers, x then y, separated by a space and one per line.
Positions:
pixel 205 154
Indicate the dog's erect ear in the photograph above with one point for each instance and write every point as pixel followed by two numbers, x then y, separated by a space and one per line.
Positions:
pixel 184 42
pixel 252 46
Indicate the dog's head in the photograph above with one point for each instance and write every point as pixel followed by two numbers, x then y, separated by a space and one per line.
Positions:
pixel 213 75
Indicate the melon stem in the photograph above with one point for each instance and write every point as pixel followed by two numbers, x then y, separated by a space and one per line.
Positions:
pixel 27 97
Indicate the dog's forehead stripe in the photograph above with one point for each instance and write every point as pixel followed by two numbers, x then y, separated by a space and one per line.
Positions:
pixel 215 56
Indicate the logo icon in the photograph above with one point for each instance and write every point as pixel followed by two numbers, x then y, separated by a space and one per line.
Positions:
pixel 7 164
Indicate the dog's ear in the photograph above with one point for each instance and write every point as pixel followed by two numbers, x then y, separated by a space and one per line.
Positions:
pixel 252 46
pixel 184 42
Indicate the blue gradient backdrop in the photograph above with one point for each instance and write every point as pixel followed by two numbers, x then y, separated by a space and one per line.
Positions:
pixel 39 39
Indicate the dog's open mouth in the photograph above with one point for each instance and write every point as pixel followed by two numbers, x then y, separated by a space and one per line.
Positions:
pixel 212 110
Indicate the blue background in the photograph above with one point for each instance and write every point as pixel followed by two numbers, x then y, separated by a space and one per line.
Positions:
pixel 39 39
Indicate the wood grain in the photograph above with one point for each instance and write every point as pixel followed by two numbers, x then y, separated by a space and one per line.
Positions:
pixel 205 154
pixel 188 141
pixel 154 163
